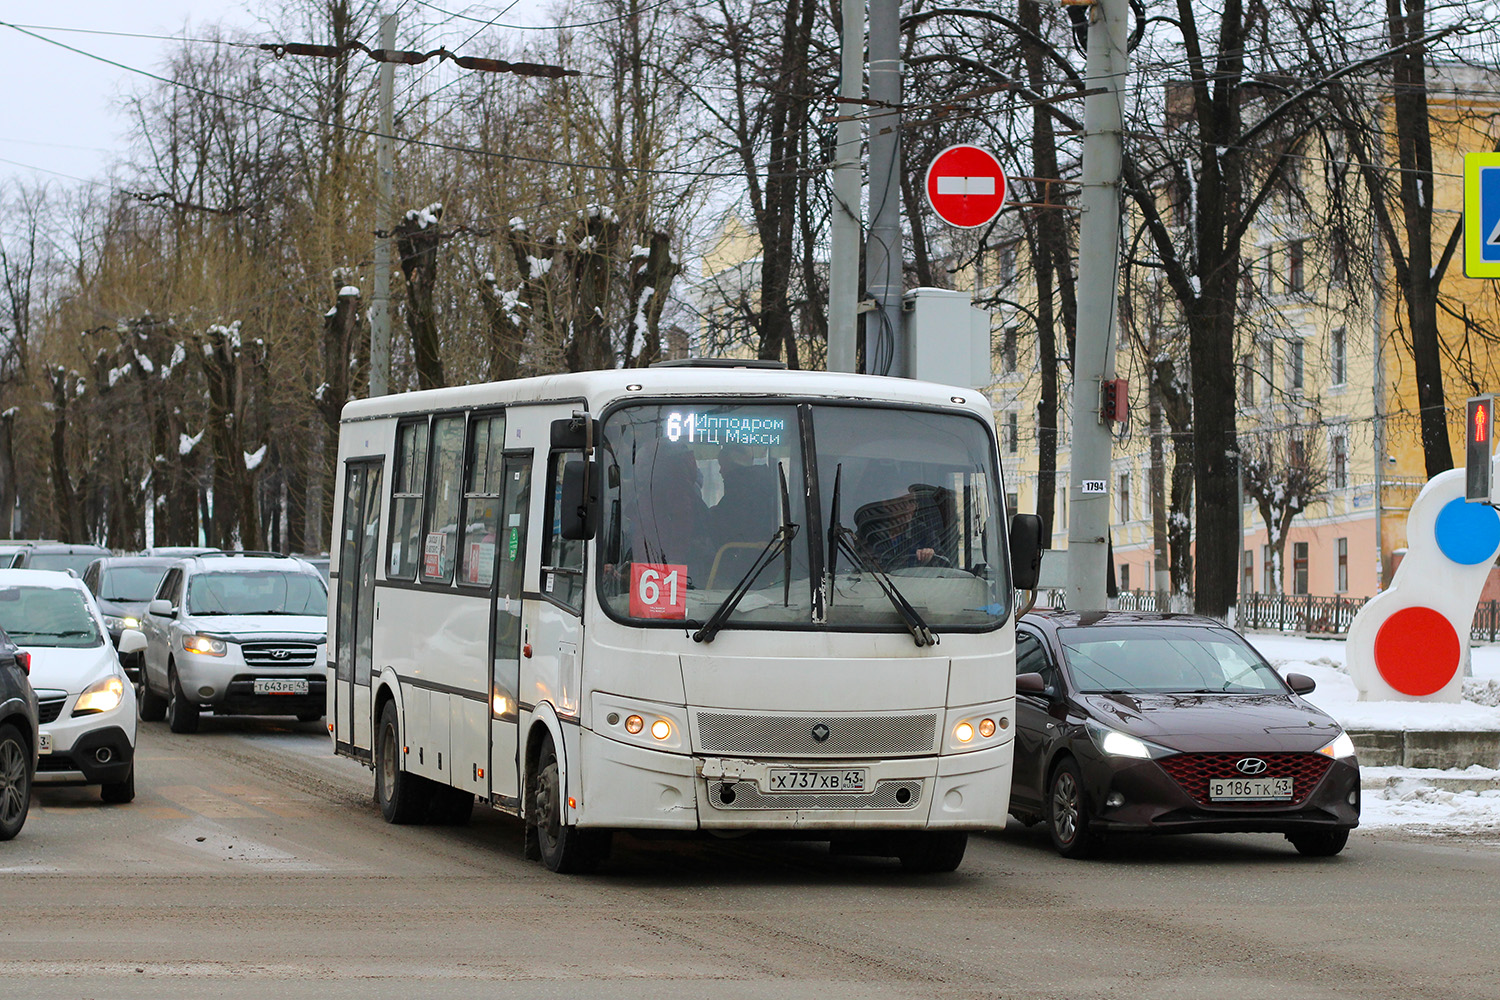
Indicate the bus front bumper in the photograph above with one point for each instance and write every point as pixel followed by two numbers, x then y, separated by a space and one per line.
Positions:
pixel 629 787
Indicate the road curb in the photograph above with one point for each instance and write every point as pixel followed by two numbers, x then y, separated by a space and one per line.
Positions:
pixel 1438 749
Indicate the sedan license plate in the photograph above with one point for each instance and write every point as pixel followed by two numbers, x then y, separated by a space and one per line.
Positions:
pixel 846 780
pixel 1250 789
pixel 44 743
pixel 281 685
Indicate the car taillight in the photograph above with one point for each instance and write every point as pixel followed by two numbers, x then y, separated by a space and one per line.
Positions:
pixel 23 660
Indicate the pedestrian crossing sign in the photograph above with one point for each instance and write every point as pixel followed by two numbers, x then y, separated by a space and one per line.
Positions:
pixel 1482 215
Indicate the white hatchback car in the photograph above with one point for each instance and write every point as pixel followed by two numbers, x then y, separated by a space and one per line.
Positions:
pixel 86 706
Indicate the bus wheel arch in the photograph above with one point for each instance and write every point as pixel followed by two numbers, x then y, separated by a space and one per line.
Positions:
pixel 550 839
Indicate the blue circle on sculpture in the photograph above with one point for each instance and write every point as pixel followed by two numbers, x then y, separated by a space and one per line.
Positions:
pixel 1468 533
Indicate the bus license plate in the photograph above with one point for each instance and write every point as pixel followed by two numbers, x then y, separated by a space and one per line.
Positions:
pixel 847 780
pixel 281 685
pixel 1249 789
pixel 44 743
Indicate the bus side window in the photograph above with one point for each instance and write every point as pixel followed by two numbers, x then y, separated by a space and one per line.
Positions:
pixel 562 558
pixel 407 487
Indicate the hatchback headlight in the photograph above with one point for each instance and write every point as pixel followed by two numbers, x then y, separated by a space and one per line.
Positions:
pixel 1341 747
pixel 100 696
pixel 205 644
pixel 1113 743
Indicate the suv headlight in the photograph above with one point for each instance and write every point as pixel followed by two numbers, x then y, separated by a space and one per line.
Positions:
pixel 116 624
pixel 1113 743
pixel 101 696
pixel 205 644
pixel 1341 747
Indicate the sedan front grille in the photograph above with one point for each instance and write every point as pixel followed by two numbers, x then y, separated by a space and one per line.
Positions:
pixel 1193 770
pixel 817 735
pixel 48 711
pixel 290 654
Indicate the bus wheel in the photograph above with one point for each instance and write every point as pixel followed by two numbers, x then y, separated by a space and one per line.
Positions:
pixel 403 797
pixel 932 851
pixel 564 849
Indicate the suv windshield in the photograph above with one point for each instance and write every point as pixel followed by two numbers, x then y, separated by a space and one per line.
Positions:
pixel 256 592
pixel 1162 659
pixel 694 509
pixel 47 616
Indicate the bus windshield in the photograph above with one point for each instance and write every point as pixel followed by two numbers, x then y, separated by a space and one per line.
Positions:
pixel 706 510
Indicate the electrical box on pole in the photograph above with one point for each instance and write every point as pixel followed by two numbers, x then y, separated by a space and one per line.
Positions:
pixel 947 338
pixel 1480 434
pixel 1112 400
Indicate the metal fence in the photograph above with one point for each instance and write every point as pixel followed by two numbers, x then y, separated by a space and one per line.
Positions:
pixel 1304 613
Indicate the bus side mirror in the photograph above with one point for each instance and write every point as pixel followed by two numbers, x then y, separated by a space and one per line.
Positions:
pixel 575 433
pixel 1025 551
pixel 578 505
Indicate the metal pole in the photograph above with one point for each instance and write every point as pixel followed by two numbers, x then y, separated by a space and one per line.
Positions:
pixel 380 302
pixel 885 342
pixel 843 263
pixel 1098 258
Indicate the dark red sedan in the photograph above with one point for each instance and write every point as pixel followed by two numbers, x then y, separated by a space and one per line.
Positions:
pixel 1131 722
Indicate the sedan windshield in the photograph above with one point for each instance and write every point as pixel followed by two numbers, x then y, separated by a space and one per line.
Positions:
pixel 706 517
pixel 1159 659
pixel 269 592
pixel 135 584
pixel 48 616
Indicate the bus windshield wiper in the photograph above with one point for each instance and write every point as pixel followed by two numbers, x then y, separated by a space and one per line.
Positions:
pixel 781 542
pixel 845 538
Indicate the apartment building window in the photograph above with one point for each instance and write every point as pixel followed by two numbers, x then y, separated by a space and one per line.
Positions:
pixel 1268 368
pixel 1007 265
pixel 1267 583
pixel 1125 576
pixel 1296 266
pixel 1341 580
pixel 1338 260
pixel 1247 379
pixel 1012 431
pixel 1008 338
pixel 1270 271
pixel 1299 567
pixel 1296 453
pixel 1248 574
pixel 1122 498
pixel 1339 474
pixel 1296 358
pixel 1338 356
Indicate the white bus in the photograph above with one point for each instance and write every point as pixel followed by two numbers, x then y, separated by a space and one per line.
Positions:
pixel 691 597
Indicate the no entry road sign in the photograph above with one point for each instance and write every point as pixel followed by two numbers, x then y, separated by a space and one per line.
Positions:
pixel 965 186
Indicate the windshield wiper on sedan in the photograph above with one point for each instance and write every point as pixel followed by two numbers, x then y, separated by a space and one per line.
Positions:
pixel 780 544
pixel 59 635
pixel 845 539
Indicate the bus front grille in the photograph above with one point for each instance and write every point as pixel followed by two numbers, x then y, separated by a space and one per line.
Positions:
pixel 817 735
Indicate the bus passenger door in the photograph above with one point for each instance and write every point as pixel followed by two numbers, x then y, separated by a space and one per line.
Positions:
pixel 356 603
pixel 505 675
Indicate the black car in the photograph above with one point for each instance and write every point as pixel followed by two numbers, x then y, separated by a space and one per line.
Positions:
pixel 1153 723
pixel 123 586
pixel 18 737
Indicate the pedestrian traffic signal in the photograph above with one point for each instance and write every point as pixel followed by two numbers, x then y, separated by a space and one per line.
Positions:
pixel 1479 429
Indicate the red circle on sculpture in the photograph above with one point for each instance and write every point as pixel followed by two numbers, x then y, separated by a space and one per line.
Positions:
pixel 1417 651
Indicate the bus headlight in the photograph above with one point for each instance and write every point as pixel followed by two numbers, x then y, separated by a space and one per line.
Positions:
pixel 661 729
pixel 977 728
pixel 642 723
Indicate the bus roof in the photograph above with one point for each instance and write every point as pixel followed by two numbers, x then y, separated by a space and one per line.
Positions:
pixel 602 387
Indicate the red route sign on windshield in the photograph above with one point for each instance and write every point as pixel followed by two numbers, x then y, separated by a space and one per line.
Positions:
pixel 965 186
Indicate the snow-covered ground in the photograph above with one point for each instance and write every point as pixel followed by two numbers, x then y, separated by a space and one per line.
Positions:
pixel 1428 801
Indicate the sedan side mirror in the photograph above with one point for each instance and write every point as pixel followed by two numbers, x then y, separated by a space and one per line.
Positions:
pixel 132 640
pixel 1301 683
pixel 1031 683
pixel 161 607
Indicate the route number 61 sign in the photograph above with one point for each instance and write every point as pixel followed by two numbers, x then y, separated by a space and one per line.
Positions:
pixel 658 590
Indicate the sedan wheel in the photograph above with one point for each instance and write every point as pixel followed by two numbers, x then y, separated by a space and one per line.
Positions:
pixel 1068 818
pixel 15 782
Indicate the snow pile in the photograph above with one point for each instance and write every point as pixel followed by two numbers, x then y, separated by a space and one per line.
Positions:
pixel 1434 801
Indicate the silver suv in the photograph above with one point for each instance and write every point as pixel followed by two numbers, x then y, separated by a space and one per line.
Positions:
pixel 236 634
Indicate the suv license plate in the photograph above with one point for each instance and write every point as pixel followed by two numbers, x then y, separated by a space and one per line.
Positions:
pixel 281 685
pixel 43 743
pixel 1249 789
pixel 847 780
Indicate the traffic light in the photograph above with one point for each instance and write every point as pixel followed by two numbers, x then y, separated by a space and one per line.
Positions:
pixel 1479 429
pixel 1112 402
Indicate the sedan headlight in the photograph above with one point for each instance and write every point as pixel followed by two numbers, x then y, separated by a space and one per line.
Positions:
pixel 1341 747
pixel 101 696
pixel 1113 743
pixel 205 644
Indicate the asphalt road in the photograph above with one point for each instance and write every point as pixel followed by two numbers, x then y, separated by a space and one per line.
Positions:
pixel 254 864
